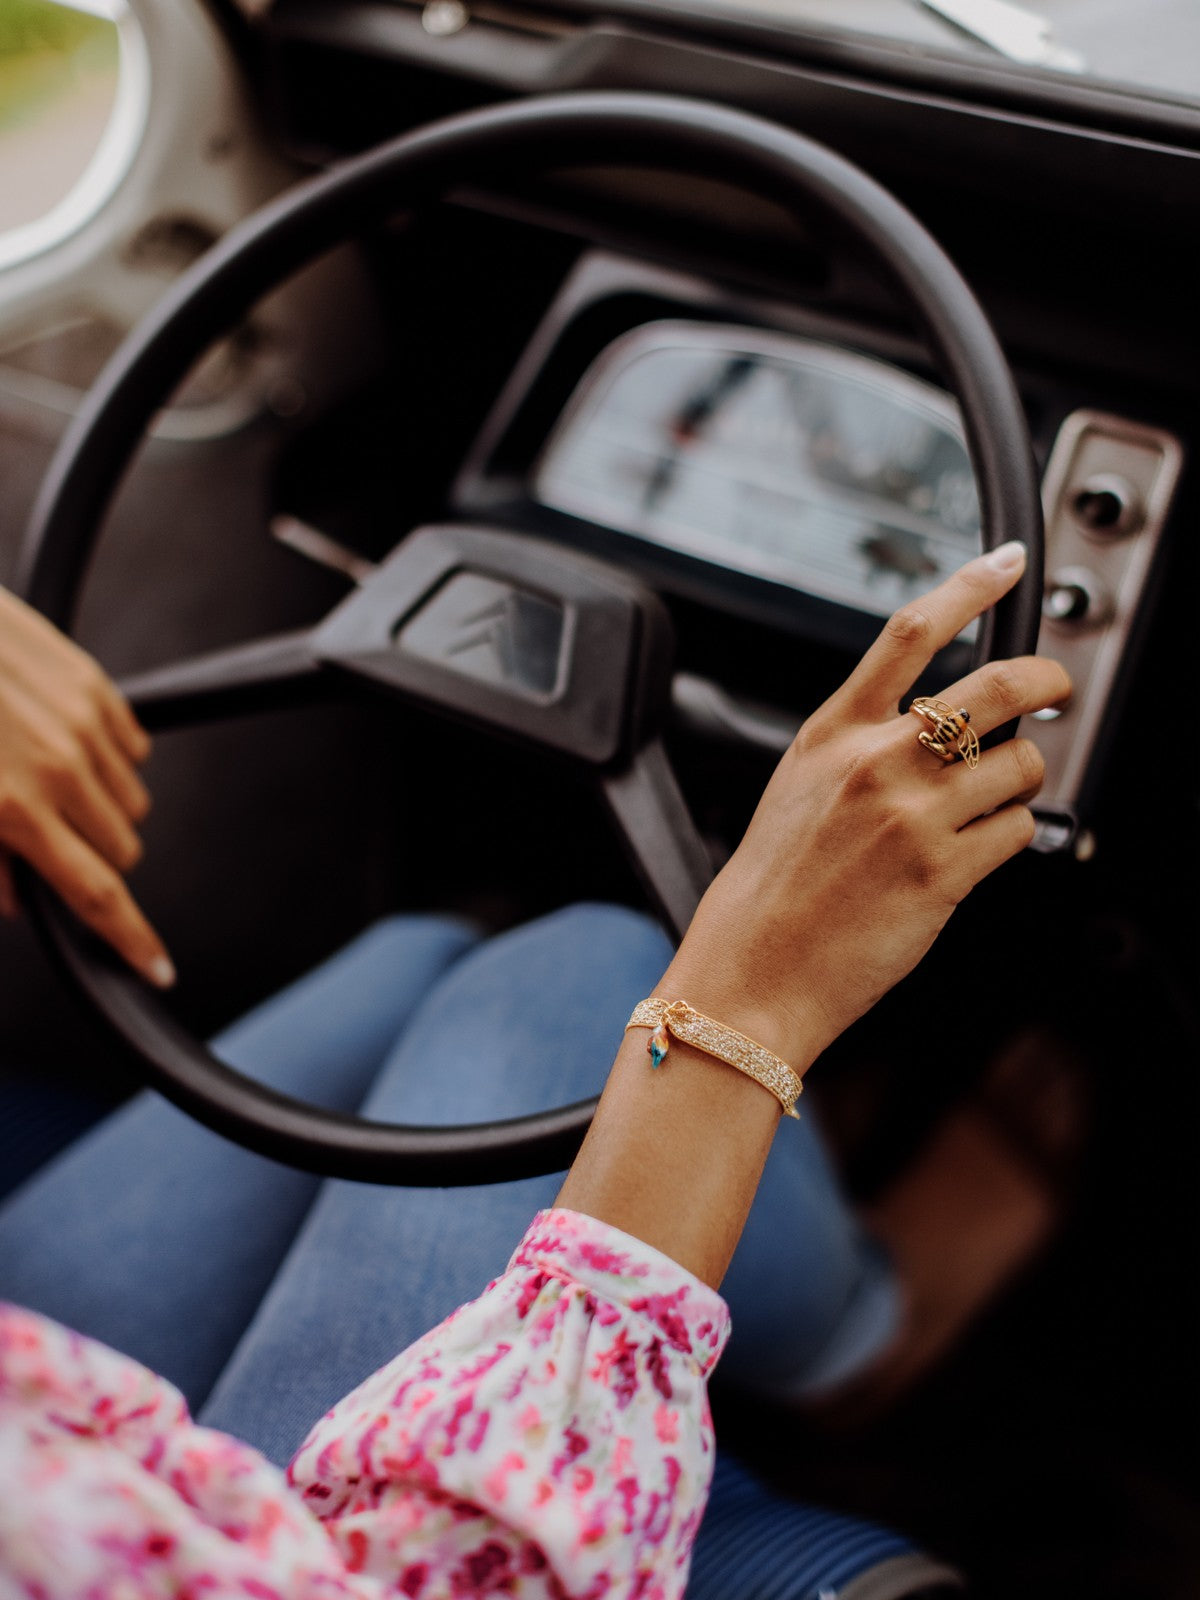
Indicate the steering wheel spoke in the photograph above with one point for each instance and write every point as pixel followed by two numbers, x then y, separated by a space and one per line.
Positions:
pixel 652 816
pixel 262 675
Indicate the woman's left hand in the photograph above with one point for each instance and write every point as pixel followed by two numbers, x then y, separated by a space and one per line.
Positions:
pixel 70 794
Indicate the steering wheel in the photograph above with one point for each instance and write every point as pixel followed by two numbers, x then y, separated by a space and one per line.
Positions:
pixel 584 649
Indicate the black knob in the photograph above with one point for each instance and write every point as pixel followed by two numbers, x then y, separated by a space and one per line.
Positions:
pixel 1107 505
pixel 1075 595
pixel 1067 603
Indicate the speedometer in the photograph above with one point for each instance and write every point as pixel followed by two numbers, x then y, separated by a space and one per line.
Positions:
pixel 780 457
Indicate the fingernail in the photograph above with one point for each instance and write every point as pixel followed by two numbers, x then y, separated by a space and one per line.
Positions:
pixel 1008 557
pixel 161 972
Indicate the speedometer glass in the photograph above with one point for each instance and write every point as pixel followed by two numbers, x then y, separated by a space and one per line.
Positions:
pixel 780 457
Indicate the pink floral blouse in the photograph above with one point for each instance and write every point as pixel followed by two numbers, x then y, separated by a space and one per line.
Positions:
pixel 550 1439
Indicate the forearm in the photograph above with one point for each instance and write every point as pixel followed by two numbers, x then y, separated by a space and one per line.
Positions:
pixel 674 1155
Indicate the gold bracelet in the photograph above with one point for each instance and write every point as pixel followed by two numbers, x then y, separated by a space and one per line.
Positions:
pixel 676 1017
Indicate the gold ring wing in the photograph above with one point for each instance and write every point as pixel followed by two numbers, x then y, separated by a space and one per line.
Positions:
pixel 968 746
pixel 934 710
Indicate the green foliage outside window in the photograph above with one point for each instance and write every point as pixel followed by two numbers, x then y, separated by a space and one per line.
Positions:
pixel 45 50
pixel 59 67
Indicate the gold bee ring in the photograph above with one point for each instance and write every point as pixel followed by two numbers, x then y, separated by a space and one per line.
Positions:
pixel 948 734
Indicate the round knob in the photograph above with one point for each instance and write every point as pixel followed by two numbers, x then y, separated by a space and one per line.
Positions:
pixel 1077 597
pixel 1107 505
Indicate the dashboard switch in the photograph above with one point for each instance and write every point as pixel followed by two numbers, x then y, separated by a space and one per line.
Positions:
pixel 1107 491
pixel 1076 596
pixel 1108 506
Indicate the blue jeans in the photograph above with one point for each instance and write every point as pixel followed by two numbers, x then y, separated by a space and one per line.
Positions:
pixel 265 1294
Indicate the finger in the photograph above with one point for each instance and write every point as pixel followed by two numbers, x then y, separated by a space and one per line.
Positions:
pixel 118 777
pixel 991 841
pixel 9 905
pixel 99 898
pixel 124 726
pixel 1001 690
pixel 89 808
pixel 48 664
pixel 912 636
pixel 1012 772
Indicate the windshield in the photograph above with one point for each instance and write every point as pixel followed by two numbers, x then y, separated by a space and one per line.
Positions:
pixel 1142 44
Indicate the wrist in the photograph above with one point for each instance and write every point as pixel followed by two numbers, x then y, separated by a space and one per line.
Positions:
pixel 729 968
pixel 734 1005
pixel 673 1157
pixel 667 1020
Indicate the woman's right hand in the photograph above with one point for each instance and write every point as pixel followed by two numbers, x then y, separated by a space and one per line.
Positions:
pixel 864 842
pixel 70 794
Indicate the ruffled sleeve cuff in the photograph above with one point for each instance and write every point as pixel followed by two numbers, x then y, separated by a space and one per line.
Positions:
pixel 691 1317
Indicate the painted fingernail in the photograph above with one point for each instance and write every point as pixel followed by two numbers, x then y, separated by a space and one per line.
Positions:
pixel 161 972
pixel 1007 557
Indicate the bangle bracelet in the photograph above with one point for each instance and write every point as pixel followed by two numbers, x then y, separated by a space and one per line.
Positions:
pixel 667 1017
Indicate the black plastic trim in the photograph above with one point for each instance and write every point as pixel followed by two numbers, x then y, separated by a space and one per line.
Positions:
pixel 978 79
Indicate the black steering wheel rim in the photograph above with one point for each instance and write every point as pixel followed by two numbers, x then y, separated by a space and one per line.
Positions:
pixel 550 132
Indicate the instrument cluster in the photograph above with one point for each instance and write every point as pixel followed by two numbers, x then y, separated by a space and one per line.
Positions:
pixel 776 456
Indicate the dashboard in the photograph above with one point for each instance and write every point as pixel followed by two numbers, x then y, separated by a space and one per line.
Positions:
pixel 1068 204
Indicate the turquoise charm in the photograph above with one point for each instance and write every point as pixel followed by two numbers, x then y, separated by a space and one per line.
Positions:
pixel 660 1043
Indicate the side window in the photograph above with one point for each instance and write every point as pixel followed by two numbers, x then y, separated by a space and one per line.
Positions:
pixel 72 103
